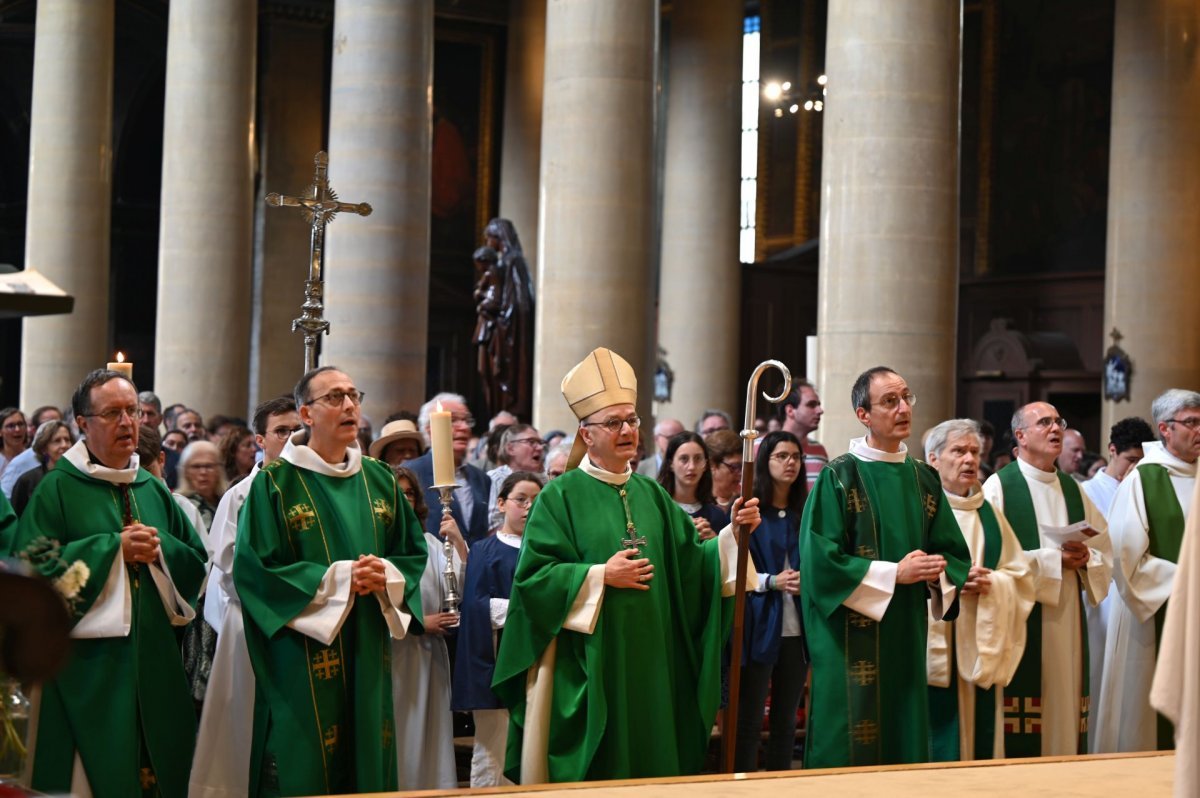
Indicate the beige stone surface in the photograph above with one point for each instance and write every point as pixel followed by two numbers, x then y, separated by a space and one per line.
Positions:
pixel 70 194
pixel 699 309
pixel 205 247
pixel 889 213
pixel 595 255
pixel 377 268
pixel 520 156
pixel 1152 275
pixel 291 121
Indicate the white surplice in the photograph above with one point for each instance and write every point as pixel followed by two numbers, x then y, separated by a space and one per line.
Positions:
pixel 1175 691
pixel 989 633
pixel 421 679
pixel 1127 723
pixel 1059 593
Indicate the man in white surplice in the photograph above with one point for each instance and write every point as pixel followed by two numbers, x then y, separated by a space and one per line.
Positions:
pixel 222 759
pixel 1051 719
pixel 989 634
pixel 1146 523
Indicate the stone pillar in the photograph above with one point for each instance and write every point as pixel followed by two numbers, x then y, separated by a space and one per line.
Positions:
pixel 596 240
pixel 521 153
pixel 291 124
pixel 889 211
pixel 380 121
pixel 205 250
pixel 1152 275
pixel 70 194
pixel 699 308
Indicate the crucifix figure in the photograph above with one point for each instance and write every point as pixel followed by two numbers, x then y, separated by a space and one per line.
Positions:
pixel 320 204
pixel 632 539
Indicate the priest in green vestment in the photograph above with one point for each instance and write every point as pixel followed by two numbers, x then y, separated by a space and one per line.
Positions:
pixel 1067 547
pixel 973 658
pixel 8 525
pixel 118 720
pixel 327 564
pixel 610 662
pixel 876 541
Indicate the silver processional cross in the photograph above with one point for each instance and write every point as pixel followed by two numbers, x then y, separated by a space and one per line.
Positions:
pixel 320 205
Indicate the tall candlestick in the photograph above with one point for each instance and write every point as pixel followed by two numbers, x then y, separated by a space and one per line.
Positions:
pixel 125 368
pixel 441 440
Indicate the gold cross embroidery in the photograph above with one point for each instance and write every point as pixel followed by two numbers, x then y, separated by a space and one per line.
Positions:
pixel 854 502
pixel 326 664
pixel 931 505
pixel 866 732
pixel 147 778
pixel 300 517
pixel 331 738
pixel 863 672
pixel 382 509
pixel 859 620
pixel 387 733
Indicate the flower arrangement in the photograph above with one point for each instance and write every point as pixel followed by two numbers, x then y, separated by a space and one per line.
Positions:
pixel 45 554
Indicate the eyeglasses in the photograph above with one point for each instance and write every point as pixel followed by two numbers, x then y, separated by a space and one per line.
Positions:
pixel 1046 422
pixel 733 467
pixel 614 425
pixel 283 433
pixel 338 398
pixel 787 457
pixel 524 502
pixel 1190 423
pixel 468 420
pixel 892 401
pixel 201 467
pixel 114 416
pixel 537 443
pixel 16 425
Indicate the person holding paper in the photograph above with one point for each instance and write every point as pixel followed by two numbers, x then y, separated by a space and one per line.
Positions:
pixel 877 542
pixel 1146 523
pixel 119 717
pixel 973 658
pixel 327 564
pixel 1046 706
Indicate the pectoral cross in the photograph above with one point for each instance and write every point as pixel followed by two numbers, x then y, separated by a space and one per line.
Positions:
pixel 634 540
pixel 320 206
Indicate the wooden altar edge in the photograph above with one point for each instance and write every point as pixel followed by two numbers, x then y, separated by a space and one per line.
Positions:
pixel 1147 774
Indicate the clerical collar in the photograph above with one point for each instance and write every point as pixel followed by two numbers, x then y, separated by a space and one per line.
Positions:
pixel 608 477
pixel 80 457
pixel 1033 472
pixel 972 501
pixel 860 449
pixel 1158 454
pixel 305 457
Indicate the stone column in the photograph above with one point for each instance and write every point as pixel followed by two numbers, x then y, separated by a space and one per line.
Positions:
pixel 521 153
pixel 699 307
pixel 380 121
pixel 291 124
pixel 70 194
pixel 205 250
pixel 1152 275
pixel 597 178
pixel 889 211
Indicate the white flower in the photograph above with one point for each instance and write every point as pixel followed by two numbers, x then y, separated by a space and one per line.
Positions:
pixel 73 579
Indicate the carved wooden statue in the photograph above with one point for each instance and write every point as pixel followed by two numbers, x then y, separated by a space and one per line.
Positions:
pixel 504 329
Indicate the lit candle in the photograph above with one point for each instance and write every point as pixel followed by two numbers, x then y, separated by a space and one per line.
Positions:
pixel 441 440
pixel 123 367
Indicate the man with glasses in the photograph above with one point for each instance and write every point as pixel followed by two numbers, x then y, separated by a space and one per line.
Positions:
pixel 119 717
pixel 469 507
pixel 664 430
pixel 611 655
pixel 1047 703
pixel 880 553
pixel 521 449
pixel 1146 523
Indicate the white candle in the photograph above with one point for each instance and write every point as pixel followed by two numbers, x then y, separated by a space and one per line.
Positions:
pixel 441 440
pixel 120 365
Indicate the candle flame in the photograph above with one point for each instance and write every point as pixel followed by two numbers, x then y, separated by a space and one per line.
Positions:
pixel 439 406
pixel 120 357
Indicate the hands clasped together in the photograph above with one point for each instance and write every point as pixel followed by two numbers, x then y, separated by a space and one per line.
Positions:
pixel 139 543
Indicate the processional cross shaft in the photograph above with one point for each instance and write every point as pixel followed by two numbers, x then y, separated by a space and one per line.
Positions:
pixel 320 205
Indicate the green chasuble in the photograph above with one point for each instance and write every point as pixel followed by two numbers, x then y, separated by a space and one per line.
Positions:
pixel 323 712
pixel 870 701
pixel 8 526
pixel 122 702
pixel 638 696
